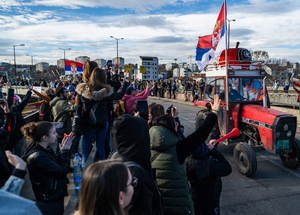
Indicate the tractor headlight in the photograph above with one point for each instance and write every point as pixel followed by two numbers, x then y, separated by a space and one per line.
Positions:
pixel 289 133
pixel 277 134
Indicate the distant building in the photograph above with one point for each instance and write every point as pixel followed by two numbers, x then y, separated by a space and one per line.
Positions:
pixel 151 64
pixel 193 67
pixel 182 64
pixel 121 61
pixel 182 72
pixel 60 64
pixel 41 66
pixel 101 62
pixel 176 73
pixel 281 73
pixel 185 72
pixel 82 59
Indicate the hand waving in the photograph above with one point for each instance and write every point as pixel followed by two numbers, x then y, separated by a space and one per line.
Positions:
pixel 216 105
pixel 66 143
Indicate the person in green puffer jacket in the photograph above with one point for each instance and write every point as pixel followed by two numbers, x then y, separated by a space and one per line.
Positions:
pixel 168 153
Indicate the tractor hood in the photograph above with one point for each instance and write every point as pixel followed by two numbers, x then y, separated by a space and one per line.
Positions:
pixel 261 116
pixel 273 126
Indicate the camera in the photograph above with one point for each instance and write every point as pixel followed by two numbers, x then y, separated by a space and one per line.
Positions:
pixel 169 110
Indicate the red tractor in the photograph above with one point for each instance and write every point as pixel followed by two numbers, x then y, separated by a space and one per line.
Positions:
pixel 247 108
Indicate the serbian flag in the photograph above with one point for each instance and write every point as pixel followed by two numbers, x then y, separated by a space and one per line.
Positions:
pixel 211 46
pixel 73 68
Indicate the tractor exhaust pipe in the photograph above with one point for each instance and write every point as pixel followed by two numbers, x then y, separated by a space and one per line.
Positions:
pixel 265 92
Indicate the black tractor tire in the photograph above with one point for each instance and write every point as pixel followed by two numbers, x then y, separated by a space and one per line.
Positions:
pixel 293 159
pixel 245 159
pixel 200 117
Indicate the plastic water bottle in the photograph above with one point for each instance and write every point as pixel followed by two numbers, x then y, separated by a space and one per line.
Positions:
pixel 78 171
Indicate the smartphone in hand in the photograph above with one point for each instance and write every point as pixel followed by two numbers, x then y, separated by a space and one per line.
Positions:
pixel 142 108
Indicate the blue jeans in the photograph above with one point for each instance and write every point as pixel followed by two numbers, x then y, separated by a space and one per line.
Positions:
pixel 87 139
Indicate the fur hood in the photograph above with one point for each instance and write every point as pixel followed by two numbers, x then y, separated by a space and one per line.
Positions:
pixel 83 90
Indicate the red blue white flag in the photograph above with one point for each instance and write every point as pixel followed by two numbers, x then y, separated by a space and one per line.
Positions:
pixel 211 46
pixel 73 68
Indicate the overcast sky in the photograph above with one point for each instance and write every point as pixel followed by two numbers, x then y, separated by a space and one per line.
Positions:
pixel 166 29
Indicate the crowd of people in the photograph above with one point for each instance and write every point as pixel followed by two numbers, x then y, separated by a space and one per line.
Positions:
pixel 155 168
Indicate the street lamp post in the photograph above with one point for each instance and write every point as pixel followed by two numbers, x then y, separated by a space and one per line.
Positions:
pixel 229 20
pixel 31 61
pixel 65 53
pixel 117 39
pixel 14 46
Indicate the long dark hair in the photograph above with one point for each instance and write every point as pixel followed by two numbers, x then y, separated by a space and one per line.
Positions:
pixel 156 110
pixel 98 80
pixel 88 68
pixel 101 185
pixel 36 130
pixel 166 121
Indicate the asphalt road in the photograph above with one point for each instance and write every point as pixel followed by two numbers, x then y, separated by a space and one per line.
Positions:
pixel 273 189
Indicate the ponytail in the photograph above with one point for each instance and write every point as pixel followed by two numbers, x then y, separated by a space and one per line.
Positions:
pixel 36 130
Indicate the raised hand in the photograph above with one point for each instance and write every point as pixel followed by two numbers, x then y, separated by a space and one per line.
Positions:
pixel 66 143
pixel 15 160
pixel 4 105
pixel 216 105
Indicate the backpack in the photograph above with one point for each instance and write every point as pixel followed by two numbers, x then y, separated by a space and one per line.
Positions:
pixel 97 117
pixel 121 108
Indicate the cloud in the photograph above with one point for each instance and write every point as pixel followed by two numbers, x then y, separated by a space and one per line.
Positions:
pixel 242 33
pixel 137 5
pixel 152 22
pixel 267 7
pixel 164 39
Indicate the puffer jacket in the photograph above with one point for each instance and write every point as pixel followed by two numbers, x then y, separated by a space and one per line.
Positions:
pixel 47 171
pixel 170 174
pixel 168 153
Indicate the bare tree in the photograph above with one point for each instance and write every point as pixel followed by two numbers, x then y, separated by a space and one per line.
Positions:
pixel 260 55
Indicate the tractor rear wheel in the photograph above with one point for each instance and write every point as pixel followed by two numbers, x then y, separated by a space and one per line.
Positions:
pixel 245 159
pixel 292 160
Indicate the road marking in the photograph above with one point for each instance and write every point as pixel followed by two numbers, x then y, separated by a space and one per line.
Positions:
pixel 181 117
pixel 278 164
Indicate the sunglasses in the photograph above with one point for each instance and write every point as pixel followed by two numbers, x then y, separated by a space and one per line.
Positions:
pixel 134 182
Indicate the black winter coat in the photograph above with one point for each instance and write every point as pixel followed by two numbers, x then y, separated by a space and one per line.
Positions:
pixel 133 143
pixel 7 126
pixel 204 175
pixel 113 81
pixel 85 102
pixel 47 171
pixel 46 109
pixel 20 121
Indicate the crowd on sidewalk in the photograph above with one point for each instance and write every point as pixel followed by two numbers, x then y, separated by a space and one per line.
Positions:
pixel 155 169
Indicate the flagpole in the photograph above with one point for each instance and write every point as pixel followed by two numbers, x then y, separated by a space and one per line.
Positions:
pixel 226 42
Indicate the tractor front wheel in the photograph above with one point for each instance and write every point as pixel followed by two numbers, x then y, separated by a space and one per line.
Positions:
pixel 292 160
pixel 245 159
